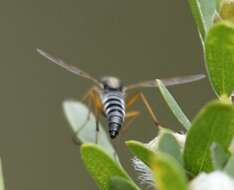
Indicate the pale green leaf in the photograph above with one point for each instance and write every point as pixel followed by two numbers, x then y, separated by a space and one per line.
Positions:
pixel 76 114
pixel 203 12
pixel 2 187
pixel 175 108
pixel 229 168
pixel 168 144
pixel 219 156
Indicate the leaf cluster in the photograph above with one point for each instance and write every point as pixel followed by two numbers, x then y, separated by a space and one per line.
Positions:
pixel 171 163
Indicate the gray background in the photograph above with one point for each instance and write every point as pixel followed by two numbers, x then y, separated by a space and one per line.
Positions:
pixel 134 40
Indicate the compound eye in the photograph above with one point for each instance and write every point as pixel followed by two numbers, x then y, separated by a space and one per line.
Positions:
pixel 105 85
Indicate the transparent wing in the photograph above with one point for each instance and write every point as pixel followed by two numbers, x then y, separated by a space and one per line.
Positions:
pixel 66 66
pixel 168 82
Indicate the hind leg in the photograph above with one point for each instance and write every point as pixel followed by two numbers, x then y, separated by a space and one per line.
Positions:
pixel 98 110
pixel 131 116
pixel 90 99
pixel 97 118
pixel 140 96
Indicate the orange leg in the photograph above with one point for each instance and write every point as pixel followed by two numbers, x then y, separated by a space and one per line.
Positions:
pixel 98 110
pixel 131 116
pixel 88 97
pixel 92 99
pixel 140 96
pixel 88 93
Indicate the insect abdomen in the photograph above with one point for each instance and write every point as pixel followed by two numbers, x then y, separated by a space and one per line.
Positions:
pixel 114 108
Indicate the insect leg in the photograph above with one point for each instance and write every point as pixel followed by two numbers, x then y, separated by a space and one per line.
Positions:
pixel 131 116
pixel 88 97
pixel 88 93
pixel 140 96
pixel 98 110
pixel 97 116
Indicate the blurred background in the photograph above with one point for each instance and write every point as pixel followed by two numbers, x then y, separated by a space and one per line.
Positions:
pixel 134 40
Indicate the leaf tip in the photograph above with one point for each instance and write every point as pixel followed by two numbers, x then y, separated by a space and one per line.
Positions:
pixel 131 143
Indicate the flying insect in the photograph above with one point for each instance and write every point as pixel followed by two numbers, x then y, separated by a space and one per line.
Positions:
pixel 109 96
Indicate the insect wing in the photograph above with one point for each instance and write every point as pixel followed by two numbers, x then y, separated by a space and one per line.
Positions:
pixel 167 82
pixel 182 79
pixel 66 66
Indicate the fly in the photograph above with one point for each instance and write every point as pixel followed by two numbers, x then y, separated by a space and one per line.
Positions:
pixel 109 96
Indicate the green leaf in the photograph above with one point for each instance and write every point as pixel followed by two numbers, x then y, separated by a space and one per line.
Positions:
pixel 203 12
pixel 175 108
pixel 220 57
pixel 169 175
pixel 168 144
pixel 2 187
pixel 214 123
pixel 219 156
pixel 119 183
pixel 101 166
pixel 76 114
pixel 229 168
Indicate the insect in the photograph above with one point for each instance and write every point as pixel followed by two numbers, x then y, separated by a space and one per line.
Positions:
pixel 109 96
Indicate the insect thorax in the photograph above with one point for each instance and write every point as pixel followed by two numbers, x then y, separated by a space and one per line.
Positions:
pixel 111 84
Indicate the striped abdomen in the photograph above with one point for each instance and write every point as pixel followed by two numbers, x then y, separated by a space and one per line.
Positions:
pixel 114 108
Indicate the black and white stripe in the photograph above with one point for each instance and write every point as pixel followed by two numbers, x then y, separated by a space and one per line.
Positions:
pixel 114 108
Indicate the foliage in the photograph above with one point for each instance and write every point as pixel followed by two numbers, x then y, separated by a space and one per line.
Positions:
pixel 229 168
pixel 219 46
pixel 168 144
pixel 215 123
pixel 119 183
pixel 84 130
pixel 173 105
pixel 101 166
pixel 203 12
pixel 168 163
pixel 166 170
pixel 2 187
